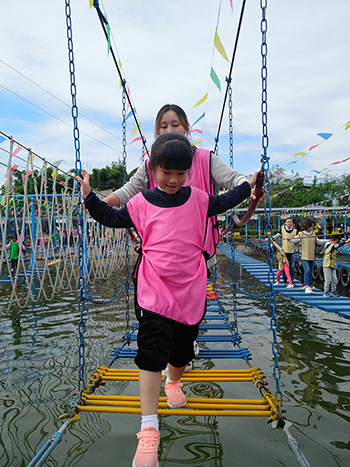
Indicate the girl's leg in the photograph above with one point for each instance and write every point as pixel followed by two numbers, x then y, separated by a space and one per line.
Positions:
pixel 286 271
pixel 278 276
pixel 149 382
pixel 174 373
pixel 148 436
pixel 327 278
pixel 334 280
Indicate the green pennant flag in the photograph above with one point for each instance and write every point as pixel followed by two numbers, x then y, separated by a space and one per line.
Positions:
pixel 108 35
pixel 215 78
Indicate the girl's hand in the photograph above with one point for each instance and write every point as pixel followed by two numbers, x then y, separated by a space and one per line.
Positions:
pixel 84 182
pixel 252 182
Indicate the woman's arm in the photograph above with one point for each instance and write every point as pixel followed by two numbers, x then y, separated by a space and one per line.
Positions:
pixel 224 176
pixel 137 183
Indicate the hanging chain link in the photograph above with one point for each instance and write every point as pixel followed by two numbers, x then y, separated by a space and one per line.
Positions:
pixel 127 257
pixel 80 226
pixel 233 255
pixel 268 211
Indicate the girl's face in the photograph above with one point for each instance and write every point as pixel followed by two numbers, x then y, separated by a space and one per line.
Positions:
pixel 170 181
pixel 170 123
pixel 309 229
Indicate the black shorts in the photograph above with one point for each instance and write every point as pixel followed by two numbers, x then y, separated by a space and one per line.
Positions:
pixel 161 341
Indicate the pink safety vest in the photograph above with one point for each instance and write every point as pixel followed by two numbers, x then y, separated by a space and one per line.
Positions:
pixel 171 273
pixel 199 176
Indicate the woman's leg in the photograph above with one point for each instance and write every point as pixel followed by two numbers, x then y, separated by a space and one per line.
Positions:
pixel 306 275
pixel 311 268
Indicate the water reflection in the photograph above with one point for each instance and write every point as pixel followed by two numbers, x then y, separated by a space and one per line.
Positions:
pixel 38 376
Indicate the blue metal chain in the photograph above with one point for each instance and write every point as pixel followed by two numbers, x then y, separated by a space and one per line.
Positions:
pixel 80 226
pixel 233 255
pixel 265 167
pixel 127 258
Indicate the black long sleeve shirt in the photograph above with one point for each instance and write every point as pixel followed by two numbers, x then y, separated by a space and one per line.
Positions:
pixel 120 218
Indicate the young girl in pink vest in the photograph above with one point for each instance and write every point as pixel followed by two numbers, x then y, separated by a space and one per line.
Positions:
pixel 207 171
pixel 170 275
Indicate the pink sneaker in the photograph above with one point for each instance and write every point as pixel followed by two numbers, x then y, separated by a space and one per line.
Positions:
pixel 147 450
pixel 176 398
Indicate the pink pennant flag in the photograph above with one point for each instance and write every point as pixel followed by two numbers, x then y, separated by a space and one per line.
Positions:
pixel 198 131
pixel 14 167
pixel 312 147
pixel 128 105
pixel 136 139
pixel 231 3
pixel 16 151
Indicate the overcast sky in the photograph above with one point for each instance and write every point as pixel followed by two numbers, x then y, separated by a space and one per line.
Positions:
pixel 167 49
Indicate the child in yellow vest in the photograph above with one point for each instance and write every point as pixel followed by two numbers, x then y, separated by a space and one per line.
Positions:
pixel 283 265
pixel 308 241
pixel 330 265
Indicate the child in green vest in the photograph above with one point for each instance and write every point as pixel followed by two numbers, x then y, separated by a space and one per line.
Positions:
pixel 330 265
pixel 14 252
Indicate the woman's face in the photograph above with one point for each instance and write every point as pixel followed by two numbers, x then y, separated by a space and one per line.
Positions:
pixel 170 123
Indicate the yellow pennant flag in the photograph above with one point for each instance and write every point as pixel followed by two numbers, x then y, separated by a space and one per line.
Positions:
pixel 219 46
pixel 53 174
pixel 91 3
pixel 198 142
pixel 135 129
pixel 300 154
pixel 201 100
pixel 347 125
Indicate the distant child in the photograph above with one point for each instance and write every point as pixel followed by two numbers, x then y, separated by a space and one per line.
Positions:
pixel 288 231
pixel 170 275
pixel 283 265
pixel 308 241
pixel 14 252
pixel 330 264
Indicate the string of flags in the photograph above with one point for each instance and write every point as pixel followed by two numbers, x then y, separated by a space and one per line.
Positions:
pixel 219 47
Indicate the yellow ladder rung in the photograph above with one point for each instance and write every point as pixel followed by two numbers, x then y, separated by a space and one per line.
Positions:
pixel 182 411
pixel 98 398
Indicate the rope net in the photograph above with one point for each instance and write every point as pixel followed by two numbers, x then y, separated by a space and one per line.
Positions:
pixel 44 217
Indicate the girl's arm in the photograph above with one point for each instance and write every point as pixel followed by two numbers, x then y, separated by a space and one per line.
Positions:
pixel 99 210
pixel 222 203
pixel 321 241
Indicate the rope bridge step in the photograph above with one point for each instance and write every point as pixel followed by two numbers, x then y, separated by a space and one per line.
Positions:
pixel 252 375
pixel 205 338
pixel 194 406
pixel 203 353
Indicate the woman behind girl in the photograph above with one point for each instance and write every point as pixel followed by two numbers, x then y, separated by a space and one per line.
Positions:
pixel 308 241
pixel 207 170
pixel 170 275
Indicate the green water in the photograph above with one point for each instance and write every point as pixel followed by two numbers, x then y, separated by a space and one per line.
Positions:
pixel 38 372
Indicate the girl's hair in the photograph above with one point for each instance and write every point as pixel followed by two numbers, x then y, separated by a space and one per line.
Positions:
pixel 171 151
pixel 179 112
pixel 308 223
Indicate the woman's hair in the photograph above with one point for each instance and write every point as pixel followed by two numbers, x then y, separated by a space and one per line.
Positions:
pixel 308 223
pixel 171 151
pixel 179 112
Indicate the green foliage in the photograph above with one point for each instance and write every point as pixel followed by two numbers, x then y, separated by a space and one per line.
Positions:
pixel 293 191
